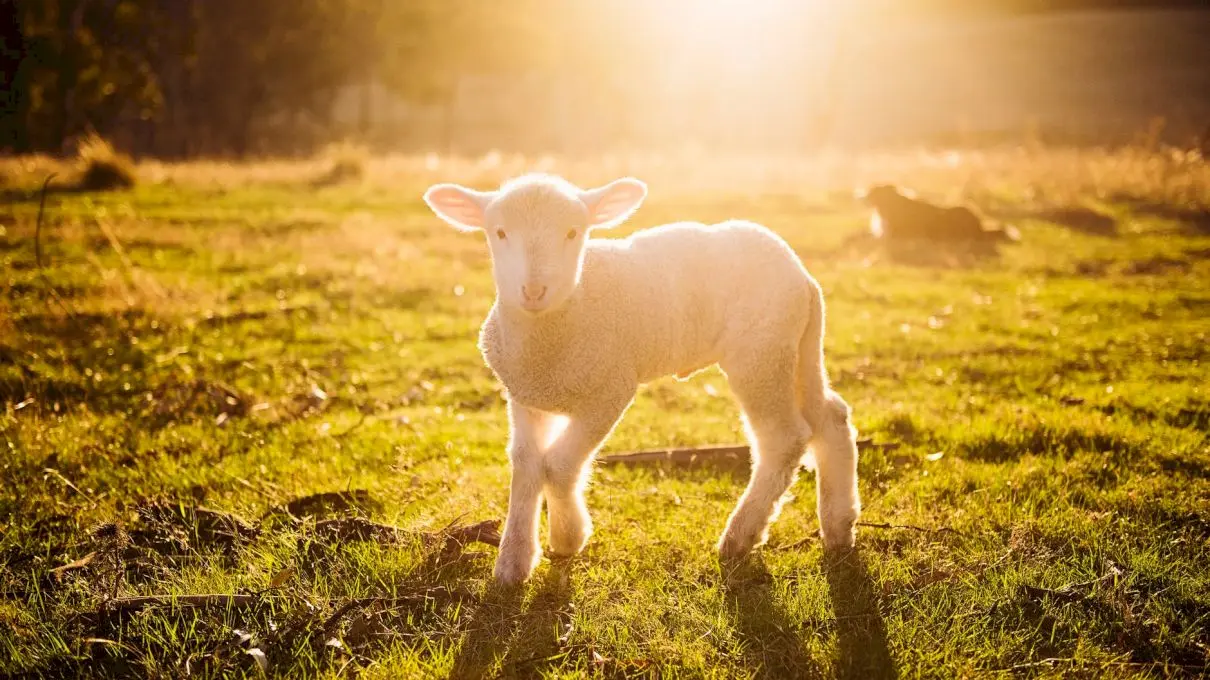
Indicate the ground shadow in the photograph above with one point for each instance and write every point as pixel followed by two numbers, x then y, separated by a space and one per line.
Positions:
pixel 524 639
pixel 925 253
pixel 939 254
pixel 96 341
pixel 1082 220
pixel 860 631
pixel 1049 440
pixel 1053 623
pixel 1195 221
pixel 1078 219
pixel 165 536
pixel 771 642
pixel 706 469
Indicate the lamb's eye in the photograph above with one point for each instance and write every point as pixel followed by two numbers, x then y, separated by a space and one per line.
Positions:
pixel 572 234
pixel 501 235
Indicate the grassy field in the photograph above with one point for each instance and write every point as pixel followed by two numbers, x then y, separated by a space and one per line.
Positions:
pixel 197 357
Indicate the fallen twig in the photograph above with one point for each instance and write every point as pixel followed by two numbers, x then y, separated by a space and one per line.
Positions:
pixel 59 475
pixel 730 453
pixel 254 315
pixel 360 529
pixel 133 604
pixel 344 609
pixel 1069 592
pixel 128 266
pixel 911 527
pixel 352 428
pixel 795 545
pixel 487 531
pixel 58 572
pixel 687 455
pixel 38 224
pixel 1055 661
pixel 38 249
pixel 869 525
pixel 127 604
pixel 356 529
pixel 1039 593
pixel 871 445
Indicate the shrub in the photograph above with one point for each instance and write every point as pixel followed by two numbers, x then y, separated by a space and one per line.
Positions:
pixel 102 168
pixel 346 163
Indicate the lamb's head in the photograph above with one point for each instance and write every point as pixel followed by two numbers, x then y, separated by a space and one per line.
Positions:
pixel 537 228
pixel 882 196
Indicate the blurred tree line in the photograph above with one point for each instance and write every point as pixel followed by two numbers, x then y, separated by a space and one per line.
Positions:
pixel 187 77
pixel 178 78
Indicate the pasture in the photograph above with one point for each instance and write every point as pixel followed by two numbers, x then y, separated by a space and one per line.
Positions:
pixel 185 365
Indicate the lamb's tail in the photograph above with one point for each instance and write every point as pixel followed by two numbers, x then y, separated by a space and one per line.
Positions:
pixel 832 449
pixel 824 410
pixel 813 386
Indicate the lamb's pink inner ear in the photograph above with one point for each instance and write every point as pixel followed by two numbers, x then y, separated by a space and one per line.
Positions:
pixel 615 202
pixel 455 205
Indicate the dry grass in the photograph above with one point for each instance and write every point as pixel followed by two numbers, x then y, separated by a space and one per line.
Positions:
pixel 1046 177
pixel 1053 177
pixel 103 168
pixel 26 173
pixel 346 164
pixel 97 166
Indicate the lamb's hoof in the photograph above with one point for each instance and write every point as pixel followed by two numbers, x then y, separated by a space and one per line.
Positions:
pixel 563 555
pixel 568 544
pixel 839 540
pixel 732 548
pixel 513 569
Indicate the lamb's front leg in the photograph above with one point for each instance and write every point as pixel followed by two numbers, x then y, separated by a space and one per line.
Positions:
pixel 566 465
pixel 519 550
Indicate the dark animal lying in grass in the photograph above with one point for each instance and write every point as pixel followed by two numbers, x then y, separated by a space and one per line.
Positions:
pixel 901 217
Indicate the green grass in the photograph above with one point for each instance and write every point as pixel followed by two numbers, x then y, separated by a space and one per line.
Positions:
pixel 238 339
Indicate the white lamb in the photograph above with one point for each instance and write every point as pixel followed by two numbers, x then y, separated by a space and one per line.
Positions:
pixel 580 323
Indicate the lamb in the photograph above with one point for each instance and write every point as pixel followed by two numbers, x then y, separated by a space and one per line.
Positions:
pixel 579 323
pixel 899 216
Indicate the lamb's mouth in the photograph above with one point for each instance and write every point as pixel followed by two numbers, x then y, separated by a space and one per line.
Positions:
pixel 535 308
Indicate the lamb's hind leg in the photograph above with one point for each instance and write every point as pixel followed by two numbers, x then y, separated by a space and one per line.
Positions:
pixel 778 433
pixel 834 447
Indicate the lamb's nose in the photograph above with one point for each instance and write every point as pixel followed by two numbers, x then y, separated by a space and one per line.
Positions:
pixel 533 293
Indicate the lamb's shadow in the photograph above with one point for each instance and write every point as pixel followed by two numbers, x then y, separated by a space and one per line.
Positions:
pixel 860 631
pixel 502 621
pixel 772 641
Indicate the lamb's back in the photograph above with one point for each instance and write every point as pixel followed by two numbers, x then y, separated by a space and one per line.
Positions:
pixel 678 292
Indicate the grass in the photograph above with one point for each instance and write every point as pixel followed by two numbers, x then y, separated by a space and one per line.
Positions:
pixel 235 338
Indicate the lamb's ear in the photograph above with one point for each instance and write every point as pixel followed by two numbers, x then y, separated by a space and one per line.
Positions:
pixel 461 207
pixel 611 204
